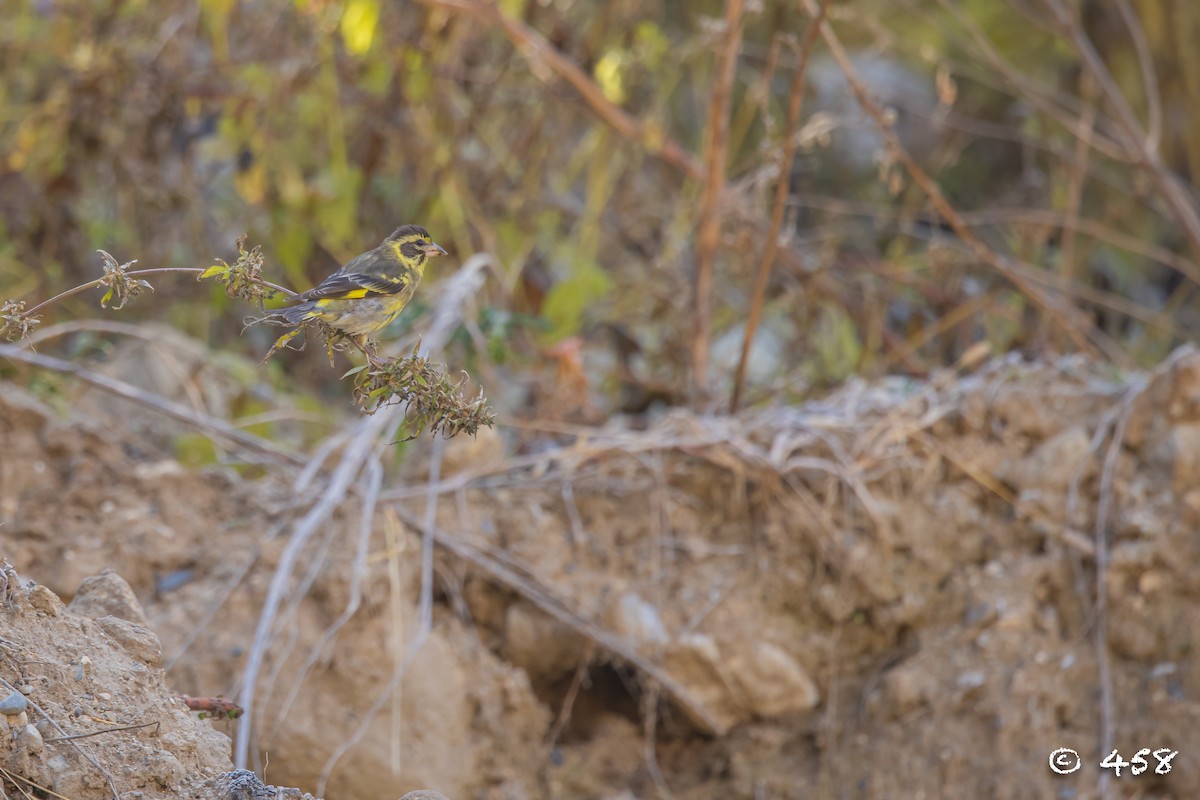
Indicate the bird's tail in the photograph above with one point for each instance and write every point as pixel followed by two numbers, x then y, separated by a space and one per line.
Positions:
pixel 283 316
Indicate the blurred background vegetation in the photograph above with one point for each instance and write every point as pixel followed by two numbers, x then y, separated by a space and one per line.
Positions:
pixel 573 140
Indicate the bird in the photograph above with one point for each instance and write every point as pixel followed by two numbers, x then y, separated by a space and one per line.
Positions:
pixel 369 291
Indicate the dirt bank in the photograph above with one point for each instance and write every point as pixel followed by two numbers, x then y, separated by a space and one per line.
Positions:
pixel 891 592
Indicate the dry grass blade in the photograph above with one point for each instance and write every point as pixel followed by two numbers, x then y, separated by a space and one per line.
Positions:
pixel 771 245
pixel 119 388
pixel 708 226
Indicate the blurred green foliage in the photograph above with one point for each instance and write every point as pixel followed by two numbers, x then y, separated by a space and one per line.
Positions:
pixel 162 131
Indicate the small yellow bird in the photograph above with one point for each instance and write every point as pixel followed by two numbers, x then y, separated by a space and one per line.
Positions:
pixel 367 293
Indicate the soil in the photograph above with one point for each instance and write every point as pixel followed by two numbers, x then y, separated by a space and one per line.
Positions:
pixel 904 590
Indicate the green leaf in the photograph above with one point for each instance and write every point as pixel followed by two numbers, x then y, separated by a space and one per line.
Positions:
pixel 568 302
pixel 354 371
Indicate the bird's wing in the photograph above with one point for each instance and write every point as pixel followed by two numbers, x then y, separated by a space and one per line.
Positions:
pixel 365 276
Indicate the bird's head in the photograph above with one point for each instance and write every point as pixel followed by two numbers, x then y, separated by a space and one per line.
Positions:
pixel 414 244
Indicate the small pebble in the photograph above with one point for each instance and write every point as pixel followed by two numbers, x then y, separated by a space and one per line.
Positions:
pixel 29 739
pixel 14 704
pixel 104 696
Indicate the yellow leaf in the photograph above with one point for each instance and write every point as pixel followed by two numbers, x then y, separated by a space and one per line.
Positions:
pixel 608 75
pixel 215 269
pixel 359 21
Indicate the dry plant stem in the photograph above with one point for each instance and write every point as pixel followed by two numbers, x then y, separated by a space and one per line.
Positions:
pixel 1059 315
pixel 420 635
pixel 17 780
pixel 372 485
pixel 1078 177
pixel 357 450
pixel 708 233
pixel 215 607
pixel 102 732
pixel 649 704
pixel 782 190
pixel 1043 98
pixel 568 702
pixel 1143 146
pixel 132 273
pixel 556 607
pixel 1149 75
pixel 174 410
pixel 534 47
pixel 1103 522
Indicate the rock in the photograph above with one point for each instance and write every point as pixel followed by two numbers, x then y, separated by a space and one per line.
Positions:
pixel 45 601
pixel 772 682
pixel 140 642
pixel 107 594
pixel 637 620
pixel 695 662
pixel 540 644
pixel 1184 446
pixel 14 704
pixel 1056 462
pixel 29 740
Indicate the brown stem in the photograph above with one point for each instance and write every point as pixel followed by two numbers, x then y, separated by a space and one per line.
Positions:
pixel 100 282
pixel 1142 145
pixel 1058 312
pixel 708 234
pixel 537 50
pixel 795 101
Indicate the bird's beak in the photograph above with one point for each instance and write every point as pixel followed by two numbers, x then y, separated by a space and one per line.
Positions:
pixel 433 249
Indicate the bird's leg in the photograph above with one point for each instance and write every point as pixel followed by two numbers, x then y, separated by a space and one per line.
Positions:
pixel 370 349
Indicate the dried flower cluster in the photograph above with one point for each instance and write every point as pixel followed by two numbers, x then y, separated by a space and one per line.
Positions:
pixel 434 401
pixel 14 322
pixel 119 285
pixel 242 279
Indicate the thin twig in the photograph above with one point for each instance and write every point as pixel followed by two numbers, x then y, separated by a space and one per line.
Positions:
pixel 105 730
pixel 373 472
pixel 534 47
pixel 14 778
pixel 557 608
pixel 568 703
pixel 708 226
pixel 1045 99
pixel 1077 177
pixel 649 704
pixel 358 449
pixel 1149 75
pixel 162 405
pixel 1102 532
pixel 782 190
pixel 1141 144
pixel 419 638
pixel 155 271
pixel 222 595
pixel 1057 312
